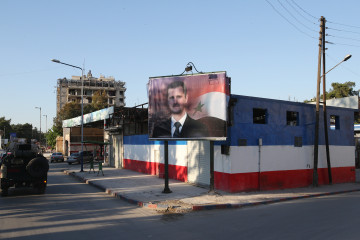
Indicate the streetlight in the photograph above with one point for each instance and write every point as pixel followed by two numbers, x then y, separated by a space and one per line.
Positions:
pixel 82 107
pixel 46 128
pixel 347 57
pixel 316 143
pixel 40 124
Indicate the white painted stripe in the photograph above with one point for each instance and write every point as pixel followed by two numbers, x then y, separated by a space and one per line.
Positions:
pixel 137 152
pixel 340 156
pixel 147 153
pixel 279 158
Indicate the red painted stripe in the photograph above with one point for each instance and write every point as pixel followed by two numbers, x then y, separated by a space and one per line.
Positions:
pixel 141 166
pixel 175 172
pixel 280 179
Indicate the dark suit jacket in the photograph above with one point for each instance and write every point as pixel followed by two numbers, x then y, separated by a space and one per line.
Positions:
pixel 191 129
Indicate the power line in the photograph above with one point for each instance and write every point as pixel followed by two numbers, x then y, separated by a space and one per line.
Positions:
pixel 295 17
pixel 310 21
pixel 343 37
pixel 343 44
pixel 289 21
pixel 352 39
pixel 330 28
pixel 341 30
pixel 304 10
pixel 342 24
pixel 331 22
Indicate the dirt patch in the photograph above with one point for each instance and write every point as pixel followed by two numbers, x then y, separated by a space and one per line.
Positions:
pixel 173 206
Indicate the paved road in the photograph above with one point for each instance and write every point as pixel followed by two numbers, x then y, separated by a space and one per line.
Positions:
pixel 73 210
pixel 69 209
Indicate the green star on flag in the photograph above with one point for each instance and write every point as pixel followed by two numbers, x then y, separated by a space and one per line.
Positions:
pixel 198 108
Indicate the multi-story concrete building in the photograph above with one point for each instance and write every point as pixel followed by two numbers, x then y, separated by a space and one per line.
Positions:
pixel 69 90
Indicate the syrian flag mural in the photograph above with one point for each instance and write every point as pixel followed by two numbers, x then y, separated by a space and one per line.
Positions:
pixel 197 103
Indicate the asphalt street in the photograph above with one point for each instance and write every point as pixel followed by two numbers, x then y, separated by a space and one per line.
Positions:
pixel 74 210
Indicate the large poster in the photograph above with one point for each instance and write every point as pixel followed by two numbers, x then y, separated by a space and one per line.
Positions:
pixel 188 107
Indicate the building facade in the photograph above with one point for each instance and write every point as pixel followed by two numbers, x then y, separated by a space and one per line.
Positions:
pixel 270 145
pixel 69 90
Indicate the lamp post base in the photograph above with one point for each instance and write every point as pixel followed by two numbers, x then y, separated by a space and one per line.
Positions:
pixel 167 190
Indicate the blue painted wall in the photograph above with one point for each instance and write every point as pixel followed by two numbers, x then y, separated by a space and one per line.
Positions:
pixel 277 132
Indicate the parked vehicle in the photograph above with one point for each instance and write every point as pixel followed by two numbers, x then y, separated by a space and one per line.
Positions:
pixel 23 166
pixel 76 157
pixel 57 157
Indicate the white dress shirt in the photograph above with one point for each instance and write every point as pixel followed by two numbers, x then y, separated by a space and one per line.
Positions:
pixel 181 121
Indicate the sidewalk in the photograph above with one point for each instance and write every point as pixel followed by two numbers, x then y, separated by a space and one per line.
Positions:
pixel 146 191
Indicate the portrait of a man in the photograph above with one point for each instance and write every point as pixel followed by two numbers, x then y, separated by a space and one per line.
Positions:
pixel 179 124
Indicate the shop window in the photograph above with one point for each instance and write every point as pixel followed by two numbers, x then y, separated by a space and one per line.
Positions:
pixel 334 122
pixel 292 118
pixel 259 116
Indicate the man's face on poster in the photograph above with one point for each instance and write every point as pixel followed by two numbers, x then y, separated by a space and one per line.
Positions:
pixel 177 100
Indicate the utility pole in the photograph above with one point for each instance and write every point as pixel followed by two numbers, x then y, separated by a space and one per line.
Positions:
pixel 316 140
pixel 40 124
pixel 324 106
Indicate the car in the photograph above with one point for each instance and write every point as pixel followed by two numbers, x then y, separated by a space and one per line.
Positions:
pixel 57 157
pixel 76 157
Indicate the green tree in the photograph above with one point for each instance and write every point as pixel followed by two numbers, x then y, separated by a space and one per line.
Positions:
pixel 69 110
pixel 99 100
pixel 51 136
pixel 23 131
pixel 340 90
pixel 88 108
pixel 5 124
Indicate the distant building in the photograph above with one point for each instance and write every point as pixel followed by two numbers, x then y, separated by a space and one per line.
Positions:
pixel 69 90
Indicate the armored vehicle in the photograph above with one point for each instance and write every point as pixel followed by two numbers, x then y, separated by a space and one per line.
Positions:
pixel 23 166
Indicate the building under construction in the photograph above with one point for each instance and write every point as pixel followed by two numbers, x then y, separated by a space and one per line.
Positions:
pixel 69 90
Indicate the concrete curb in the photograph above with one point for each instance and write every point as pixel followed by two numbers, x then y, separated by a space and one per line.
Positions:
pixel 164 207
pixel 242 205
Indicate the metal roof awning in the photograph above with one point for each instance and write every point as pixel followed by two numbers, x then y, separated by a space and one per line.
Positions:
pixel 89 118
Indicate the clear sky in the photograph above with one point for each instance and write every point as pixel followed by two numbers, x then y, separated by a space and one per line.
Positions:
pixel 268 47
